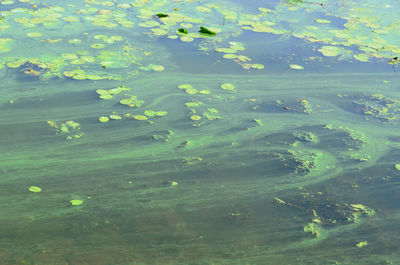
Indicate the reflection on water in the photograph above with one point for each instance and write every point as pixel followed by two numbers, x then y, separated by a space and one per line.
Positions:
pixel 126 140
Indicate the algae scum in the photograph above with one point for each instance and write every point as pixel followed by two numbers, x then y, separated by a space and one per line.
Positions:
pixel 186 132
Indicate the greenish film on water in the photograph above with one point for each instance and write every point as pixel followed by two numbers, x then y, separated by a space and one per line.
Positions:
pixel 157 132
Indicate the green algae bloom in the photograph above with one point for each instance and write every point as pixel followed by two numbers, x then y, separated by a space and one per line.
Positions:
pixel 76 202
pixel 35 189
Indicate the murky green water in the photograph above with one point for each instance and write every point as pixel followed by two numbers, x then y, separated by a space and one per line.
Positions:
pixel 129 137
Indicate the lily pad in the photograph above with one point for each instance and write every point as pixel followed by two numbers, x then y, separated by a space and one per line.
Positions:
pixel 228 86
pixel 104 119
pixel 76 202
pixel 329 51
pixel 195 117
pixel 140 117
pixel 161 113
pixel 115 117
pixel 35 189
pixel 296 67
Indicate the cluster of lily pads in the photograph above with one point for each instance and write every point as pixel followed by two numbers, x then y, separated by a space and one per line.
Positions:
pixel 147 114
pixel 195 107
pixel 69 129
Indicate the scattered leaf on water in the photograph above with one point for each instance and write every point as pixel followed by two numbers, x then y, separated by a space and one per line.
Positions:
pixel 329 51
pixel 104 119
pixel 140 117
pixel 115 117
pixel 76 202
pixel 257 66
pixel 206 31
pixel 161 113
pixel 296 66
pixel 35 189
pixel 322 21
pixel 195 117
pixel 228 86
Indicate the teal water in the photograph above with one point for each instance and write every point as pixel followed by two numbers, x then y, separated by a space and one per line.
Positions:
pixel 124 141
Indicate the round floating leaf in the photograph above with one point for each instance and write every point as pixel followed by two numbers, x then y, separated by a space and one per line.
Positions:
pixel 185 86
pixel 329 51
pixel 229 56
pixel 322 21
pixel 397 166
pixel 191 91
pixel 296 67
pixel 97 45
pixel 228 86
pixel 362 57
pixel 149 113
pixel 115 117
pixel 195 117
pixel 186 39
pixel 140 117
pixel 257 66
pixel 158 68
pixel 106 96
pixel 75 41
pixel 35 189
pixel 104 119
pixel 205 92
pixel 76 202
pixel 161 113
pixel 33 34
